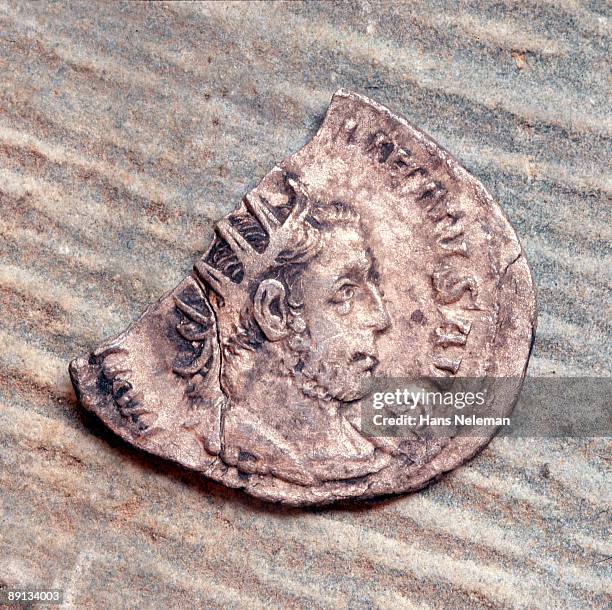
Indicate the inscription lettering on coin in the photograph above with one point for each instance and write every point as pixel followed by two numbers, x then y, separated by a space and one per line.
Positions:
pixel 368 254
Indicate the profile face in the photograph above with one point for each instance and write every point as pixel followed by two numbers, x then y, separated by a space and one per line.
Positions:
pixel 343 313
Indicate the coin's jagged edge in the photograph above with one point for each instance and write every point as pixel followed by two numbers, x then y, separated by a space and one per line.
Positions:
pixel 110 382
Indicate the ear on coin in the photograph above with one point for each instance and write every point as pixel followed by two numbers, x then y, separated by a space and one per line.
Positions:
pixel 270 309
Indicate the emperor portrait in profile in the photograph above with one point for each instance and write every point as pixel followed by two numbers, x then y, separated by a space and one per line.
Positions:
pixel 295 295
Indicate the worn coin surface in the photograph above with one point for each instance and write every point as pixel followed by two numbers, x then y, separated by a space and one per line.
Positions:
pixel 370 253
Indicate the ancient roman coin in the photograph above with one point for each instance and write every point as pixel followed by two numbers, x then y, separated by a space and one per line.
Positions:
pixel 370 253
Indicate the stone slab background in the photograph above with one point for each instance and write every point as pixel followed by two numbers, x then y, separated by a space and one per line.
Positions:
pixel 126 129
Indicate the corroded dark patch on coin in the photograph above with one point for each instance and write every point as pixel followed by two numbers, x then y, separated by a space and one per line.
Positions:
pixel 370 252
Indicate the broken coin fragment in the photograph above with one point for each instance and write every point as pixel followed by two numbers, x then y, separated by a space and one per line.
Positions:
pixel 370 253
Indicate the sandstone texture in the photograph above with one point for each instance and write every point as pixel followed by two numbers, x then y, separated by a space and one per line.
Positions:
pixel 126 130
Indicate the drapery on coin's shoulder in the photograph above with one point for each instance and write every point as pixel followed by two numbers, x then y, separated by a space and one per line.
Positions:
pixel 369 253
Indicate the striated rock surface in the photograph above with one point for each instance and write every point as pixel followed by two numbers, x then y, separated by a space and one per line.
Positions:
pixel 126 130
